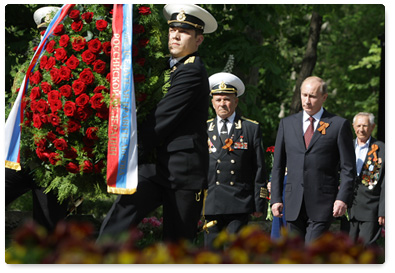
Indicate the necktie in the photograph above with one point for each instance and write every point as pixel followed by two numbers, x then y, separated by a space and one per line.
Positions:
pixel 224 131
pixel 309 132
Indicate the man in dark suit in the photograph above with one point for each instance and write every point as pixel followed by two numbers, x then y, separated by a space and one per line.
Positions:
pixel 237 176
pixel 367 214
pixel 174 136
pixel 316 147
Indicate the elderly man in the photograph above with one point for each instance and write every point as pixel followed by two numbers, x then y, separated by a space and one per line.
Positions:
pixel 237 176
pixel 367 215
pixel 315 146
pixel 174 136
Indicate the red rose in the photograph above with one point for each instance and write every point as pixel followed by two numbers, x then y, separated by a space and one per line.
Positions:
pixel 87 16
pixel 55 105
pixel 43 156
pixel 53 95
pixel 144 10
pixel 88 142
pixel 65 90
pixel 74 14
pixel 46 87
pixel 72 62
pixel 139 78
pixel 83 113
pixel 33 106
pixel 77 25
pixel 55 121
pixel 91 133
pixel 60 144
pixel 87 167
pixel 95 46
pixel 43 61
pixel 61 54
pixel 44 118
pixel 72 167
pixel 82 100
pixel 41 144
pixel 60 130
pixel 65 73
pixel 42 106
pixel 35 93
pixel 78 43
pixel 50 47
pixel 51 136
pixel 37 121
pixel 87 76
pixel 79 87
pixel 88 151
pixel 100 88
pixel 143 42
pixel 101 25
pixel 64 40
pixel 98 166
pixel 59 30
pixel 99 66
pixel 107 48
pixel 140 61
pixel 270 149
pixel 69 108
pixel 103 112
pixel 137 29
pixel 36 77
pixel 88 56
pixel 53 158
pixel 71 153
pixel 50 63
pixel 73 126
pixel 108 77
pixel 55 76
pixel 97 101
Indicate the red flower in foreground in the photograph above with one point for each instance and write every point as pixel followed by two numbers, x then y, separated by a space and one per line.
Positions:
pixel 144 10
pixel 270 149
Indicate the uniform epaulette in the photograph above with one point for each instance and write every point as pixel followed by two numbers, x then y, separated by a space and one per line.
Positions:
pixel 190 60
pixel 250 120
pixel 210 120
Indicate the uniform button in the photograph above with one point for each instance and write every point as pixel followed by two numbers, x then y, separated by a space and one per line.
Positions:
pixel 232 172
pixel 219 161
pixel 218 171
pixel 217 182
pixel 232 161
pixel 231 183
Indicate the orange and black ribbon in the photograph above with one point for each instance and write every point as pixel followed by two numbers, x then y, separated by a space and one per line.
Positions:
pixel 375 148
pixel 324 125
pixel 228 145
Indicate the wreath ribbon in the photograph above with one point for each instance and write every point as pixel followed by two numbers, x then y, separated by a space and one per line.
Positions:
pixel 375 148
pixel 228 144
pixel 324 125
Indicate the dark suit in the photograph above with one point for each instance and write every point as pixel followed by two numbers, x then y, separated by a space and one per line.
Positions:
pixel 175 136
pixel 369 203
pixel 313 173
pixel 236 178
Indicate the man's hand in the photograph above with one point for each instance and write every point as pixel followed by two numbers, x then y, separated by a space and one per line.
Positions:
pixel 339 208
pixel 382 221
pixel 257 214
pixel 277 209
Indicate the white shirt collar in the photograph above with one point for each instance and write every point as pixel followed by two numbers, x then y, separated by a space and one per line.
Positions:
pixel 229 124
pixel 317 116
pixel 363 146
pixel 173 61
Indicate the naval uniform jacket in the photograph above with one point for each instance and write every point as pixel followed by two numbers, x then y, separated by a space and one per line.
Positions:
pixel 313 173
pixel 236 178
pixel 369 203
pixel 176 130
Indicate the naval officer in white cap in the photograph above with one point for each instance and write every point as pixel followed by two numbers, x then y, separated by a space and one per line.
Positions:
pixel 237 174
pixel 175 135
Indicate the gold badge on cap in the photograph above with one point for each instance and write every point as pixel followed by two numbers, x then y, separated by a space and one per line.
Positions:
pixel 181 16
pixel 222 85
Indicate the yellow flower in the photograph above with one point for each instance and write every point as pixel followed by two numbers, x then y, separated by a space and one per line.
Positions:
pixel 207 257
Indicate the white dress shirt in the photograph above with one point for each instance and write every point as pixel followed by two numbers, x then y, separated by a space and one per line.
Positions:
pixel 306 122
pixel 229 124
pixel 360 154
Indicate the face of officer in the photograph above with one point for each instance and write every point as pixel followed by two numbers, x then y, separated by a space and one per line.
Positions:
pixel 311 96
pixel 362 127
pixel 224 104
pixel 183 42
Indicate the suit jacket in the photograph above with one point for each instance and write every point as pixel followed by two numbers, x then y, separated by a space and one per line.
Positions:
pixel 313 173
pixel 176 129
pixel 236 178
pixel 369 203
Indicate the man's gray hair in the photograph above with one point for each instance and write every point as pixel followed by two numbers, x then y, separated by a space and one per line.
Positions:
pixel 370 115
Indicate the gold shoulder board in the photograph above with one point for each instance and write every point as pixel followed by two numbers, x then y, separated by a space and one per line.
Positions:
pixel 250 120
pixel 190 60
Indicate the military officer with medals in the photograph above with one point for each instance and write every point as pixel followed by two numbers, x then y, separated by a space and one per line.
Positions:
pixel 176 134
pixel 237 176
pixel 367 214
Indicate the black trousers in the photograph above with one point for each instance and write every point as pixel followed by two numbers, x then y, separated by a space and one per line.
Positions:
pixel 306 228
pixel 231 222
pixel 47 211
pixel 368 231
pixel 181 211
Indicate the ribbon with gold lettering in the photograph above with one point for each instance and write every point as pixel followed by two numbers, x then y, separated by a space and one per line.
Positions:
pixel 324 125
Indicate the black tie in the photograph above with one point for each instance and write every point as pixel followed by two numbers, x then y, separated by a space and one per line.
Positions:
pixel 309 132
pixel 224 131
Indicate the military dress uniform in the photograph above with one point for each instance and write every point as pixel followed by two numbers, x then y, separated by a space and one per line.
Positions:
pixel 237 183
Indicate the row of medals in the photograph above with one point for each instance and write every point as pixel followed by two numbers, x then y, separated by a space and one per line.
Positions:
pixel 370 174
